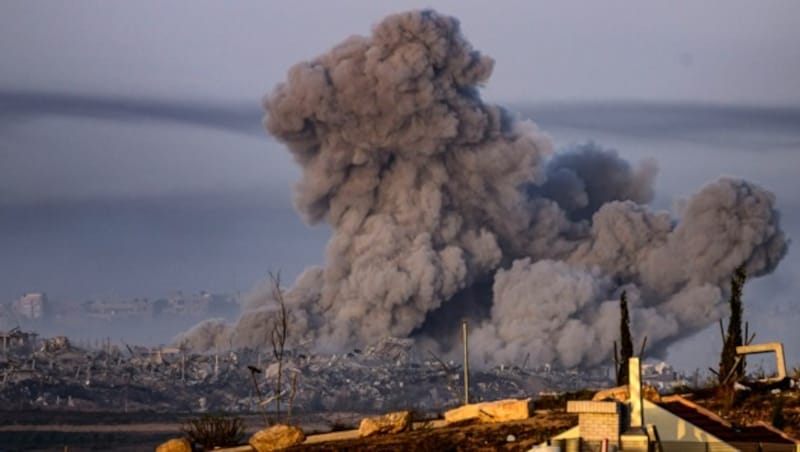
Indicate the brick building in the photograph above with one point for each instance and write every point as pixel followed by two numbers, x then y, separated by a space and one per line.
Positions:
pixel 623 420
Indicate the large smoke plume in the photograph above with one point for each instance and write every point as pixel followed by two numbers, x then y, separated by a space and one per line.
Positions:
pixel 443 206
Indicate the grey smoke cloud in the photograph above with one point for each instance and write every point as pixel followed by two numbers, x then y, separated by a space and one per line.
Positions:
pixel 434 196
pixel 581 180
pixel 674 274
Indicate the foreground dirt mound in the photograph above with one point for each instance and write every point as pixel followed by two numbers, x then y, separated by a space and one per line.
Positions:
pixel 511 436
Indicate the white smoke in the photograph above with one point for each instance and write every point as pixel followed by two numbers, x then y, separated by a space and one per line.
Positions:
pixel 434 195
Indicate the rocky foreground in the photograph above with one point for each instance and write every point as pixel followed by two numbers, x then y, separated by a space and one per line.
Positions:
pixel 55 375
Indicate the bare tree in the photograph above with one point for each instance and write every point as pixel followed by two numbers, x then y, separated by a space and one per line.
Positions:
pixel 278 335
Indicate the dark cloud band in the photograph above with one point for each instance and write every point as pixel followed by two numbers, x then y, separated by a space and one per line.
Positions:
pixel 21 105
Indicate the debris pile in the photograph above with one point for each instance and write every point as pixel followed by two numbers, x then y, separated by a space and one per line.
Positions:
pixel 55 374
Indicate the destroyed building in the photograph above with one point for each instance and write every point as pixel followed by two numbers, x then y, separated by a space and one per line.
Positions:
pixel 137 308
pixel 31 306
pixel 16 339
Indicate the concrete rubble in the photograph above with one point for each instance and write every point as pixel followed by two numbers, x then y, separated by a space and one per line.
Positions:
pixel 54 374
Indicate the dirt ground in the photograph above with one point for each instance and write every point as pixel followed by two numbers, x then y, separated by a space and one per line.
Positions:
pixel 42 431
pixel 36 430
pixel 509 436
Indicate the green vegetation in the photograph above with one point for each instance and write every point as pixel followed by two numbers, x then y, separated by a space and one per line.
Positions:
pixel 729 370
pixel 626 342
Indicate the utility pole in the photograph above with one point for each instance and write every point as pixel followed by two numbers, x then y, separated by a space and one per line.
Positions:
pixel 466 361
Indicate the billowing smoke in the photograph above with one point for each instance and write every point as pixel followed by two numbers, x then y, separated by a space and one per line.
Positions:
pixel 443 206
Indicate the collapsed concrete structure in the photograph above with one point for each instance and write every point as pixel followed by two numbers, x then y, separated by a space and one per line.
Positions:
pixel 17 339
pixel 769 347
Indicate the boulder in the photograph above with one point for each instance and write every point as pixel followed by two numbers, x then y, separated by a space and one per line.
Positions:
pixel 489 412
pixel 175 445
pixel 622 394
pixel 617 393
pixel 650 393
pixel 276 437
pixel 396 422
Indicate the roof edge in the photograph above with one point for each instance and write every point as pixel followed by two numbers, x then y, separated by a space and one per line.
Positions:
pixel 700 409
pixel 775 430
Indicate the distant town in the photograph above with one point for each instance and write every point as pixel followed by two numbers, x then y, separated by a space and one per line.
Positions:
pixel 118 318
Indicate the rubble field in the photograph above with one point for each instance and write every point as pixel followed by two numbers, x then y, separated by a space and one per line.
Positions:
pixel 54 394
pixel 56 376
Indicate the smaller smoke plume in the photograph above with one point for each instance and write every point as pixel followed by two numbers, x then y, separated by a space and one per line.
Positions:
pixel 207 335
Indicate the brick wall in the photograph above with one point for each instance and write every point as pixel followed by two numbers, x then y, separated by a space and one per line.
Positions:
pixel 598 420
pixel 599 426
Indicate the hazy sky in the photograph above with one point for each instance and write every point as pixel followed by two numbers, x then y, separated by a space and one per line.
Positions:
pixel 720 51
pixel 132 161
pixel 232 53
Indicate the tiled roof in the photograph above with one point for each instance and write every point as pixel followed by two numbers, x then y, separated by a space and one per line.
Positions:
pixel 713 424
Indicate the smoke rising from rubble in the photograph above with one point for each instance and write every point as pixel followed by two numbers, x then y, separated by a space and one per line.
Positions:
pixel 432 194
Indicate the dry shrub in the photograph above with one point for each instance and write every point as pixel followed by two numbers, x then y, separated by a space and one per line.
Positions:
pixel 214 430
